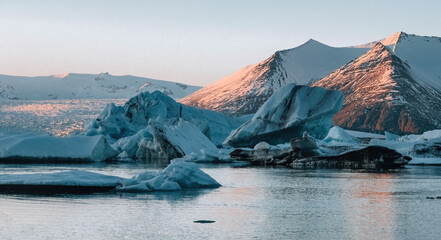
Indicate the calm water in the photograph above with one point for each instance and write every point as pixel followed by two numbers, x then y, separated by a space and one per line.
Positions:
pixel 262 203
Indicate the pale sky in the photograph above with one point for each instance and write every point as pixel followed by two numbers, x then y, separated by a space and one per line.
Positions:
pixel 193 41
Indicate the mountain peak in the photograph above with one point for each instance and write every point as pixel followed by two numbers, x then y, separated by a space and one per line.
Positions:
pixel 63 75
pixel 383 93
pixel 378 48
pixel 391 40
pixel 312 42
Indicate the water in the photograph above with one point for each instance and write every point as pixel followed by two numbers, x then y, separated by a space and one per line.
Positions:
pixel 263 203
pixel 254 202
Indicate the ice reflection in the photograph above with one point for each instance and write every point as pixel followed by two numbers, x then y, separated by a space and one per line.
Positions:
pixel 370 206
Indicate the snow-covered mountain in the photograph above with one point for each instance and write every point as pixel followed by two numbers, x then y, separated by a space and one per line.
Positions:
pixel 404 76
pixel 384 92
pixel 245 91
pixel 422 53
pixel 92 86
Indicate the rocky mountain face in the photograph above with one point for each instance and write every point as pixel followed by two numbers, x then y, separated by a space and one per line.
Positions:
pixel 383 93
pixel 392 84
pixel 245 91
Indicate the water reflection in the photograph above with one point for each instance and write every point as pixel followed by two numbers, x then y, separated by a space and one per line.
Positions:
pixel 370 205
pixel 259 203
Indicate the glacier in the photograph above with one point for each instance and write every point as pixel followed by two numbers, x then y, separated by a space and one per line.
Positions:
pixel 287 114
pixel 46 148
pixel 87 86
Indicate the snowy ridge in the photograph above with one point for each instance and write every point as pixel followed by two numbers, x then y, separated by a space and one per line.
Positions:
pixel 383 93
pixel 83 86
pixel 421 53
pixel 403 76
pixel 388 41
pixel 245 91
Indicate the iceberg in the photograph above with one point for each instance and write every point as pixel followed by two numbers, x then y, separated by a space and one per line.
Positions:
pixel 425 161
pixel 129 146
pixel 287 114
pixel 117 122
pixel 423 148
pixel 59 182
pixel 179 175
pixel 426 149
pixel 421 137
pixel 175 140
pixel 338 135
pixel 305 146
pixel 40 148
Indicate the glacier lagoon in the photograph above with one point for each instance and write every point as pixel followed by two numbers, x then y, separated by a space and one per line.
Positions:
pixel 263 203
pixel 253 202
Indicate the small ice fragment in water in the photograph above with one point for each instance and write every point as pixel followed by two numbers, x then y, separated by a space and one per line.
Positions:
pixel 204 221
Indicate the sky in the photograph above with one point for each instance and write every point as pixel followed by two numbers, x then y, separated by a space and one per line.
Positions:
pixel 195 42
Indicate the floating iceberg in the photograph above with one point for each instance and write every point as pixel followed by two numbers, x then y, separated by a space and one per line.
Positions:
pixel 59 182
pixel 33 147
pixel 425 161
pixel 122 121
pixel 421 137
pixel 178 175
pixel 426 149
pixel 337 134
pixel 423 148
pixel 287 114
pixel 176 140
pixel 129 146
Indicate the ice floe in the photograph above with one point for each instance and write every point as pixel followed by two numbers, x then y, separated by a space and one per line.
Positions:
pixel 179 175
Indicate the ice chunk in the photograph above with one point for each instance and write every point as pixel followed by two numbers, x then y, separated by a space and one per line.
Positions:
pixel 70 178
pixel 122 121
pixel 262 146
pixel 426 149
pixel 401 147
pixel 305 146
pixel 422 137
pixel 33 147
pixel 338 134
pixel 425 161
pixel 288 113
pixel 390 136
pixel 176 176
pixel 177 139
pixel 128 146
pixel 59 182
